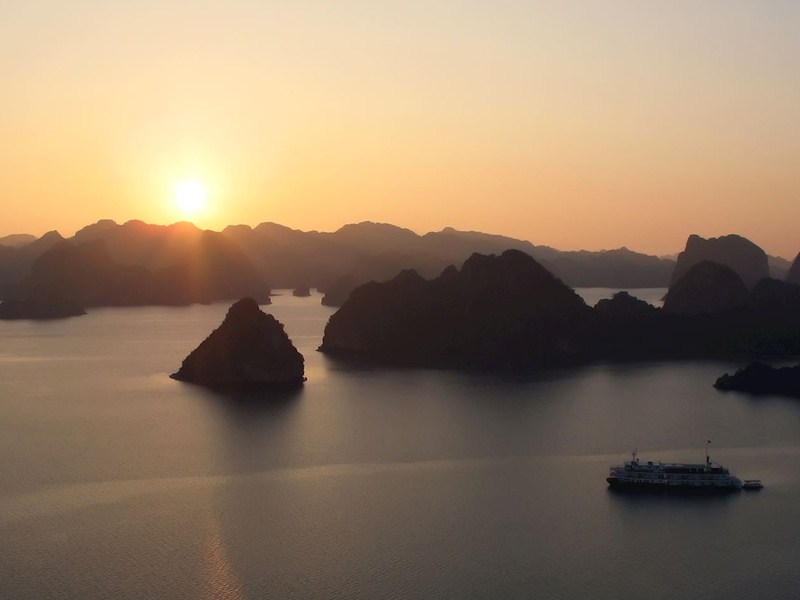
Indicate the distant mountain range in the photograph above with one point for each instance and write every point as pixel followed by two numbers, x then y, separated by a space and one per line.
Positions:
pixel 136 263
pixel 16 239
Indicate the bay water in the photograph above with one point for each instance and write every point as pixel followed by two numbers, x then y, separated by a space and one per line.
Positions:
pixel 118 482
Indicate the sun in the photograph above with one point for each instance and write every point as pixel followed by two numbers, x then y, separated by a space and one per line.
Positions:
pixel 190 197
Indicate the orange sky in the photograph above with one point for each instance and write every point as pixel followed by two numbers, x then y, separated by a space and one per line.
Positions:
pixel 572 124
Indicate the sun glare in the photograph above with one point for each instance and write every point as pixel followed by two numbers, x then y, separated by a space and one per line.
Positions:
pixel 190 197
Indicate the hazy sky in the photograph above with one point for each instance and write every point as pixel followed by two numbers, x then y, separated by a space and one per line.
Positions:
pixel 573 124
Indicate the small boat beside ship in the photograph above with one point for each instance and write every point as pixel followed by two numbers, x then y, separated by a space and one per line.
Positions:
pixel 752 484
pixel 708 476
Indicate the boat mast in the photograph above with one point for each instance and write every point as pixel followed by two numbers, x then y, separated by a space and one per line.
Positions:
pixel 708 460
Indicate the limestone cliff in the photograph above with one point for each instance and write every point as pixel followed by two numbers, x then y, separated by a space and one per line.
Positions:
pixel 739 254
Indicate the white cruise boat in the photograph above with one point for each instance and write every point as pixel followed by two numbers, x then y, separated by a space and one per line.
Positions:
pixel 660 475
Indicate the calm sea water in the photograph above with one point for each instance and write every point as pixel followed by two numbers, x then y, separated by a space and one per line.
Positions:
pixel 117 482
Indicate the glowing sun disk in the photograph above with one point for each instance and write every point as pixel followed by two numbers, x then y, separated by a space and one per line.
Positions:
pixel 190 197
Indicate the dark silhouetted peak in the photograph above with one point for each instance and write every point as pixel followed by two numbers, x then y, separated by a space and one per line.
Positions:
pixel 96 228
pixel 237 230
pixel 620 267
pixel 136 224
pixel 707 288
pixel 249 349
pixel 450 273
pixel 85 274
pixel 372 237
pixel 185 264
pixel 509 261
pixel 38 247
pixel 49 238
pixel 502 241
pixel 337 293
pixel 241 311
pixel 497 310
pixel 513 259
pixel 517 274
pixel 137 242
pixel 182 226
pixel 372 228
pixel 778 267
pixel 90 275
pixel 403 288
pixel 408 277
pixel 459 245
pixel 68 255
pixel 16 262
pixel 693 240
pixel 407 283
pixel 624 308
pixel 793 276
pixel 734 251
pixel 270 228
pixel 377 251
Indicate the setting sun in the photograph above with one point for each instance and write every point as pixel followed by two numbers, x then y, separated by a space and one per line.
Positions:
pixel 190 197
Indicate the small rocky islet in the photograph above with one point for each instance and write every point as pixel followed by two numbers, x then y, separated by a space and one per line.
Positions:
pixel 302 291
pixel 249 350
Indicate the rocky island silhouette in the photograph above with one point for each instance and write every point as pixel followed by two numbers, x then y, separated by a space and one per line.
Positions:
pixel 509 311
pixel 511 304
pixel 249 350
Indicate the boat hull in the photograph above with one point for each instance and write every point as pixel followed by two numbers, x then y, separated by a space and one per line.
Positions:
pixel 670 486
